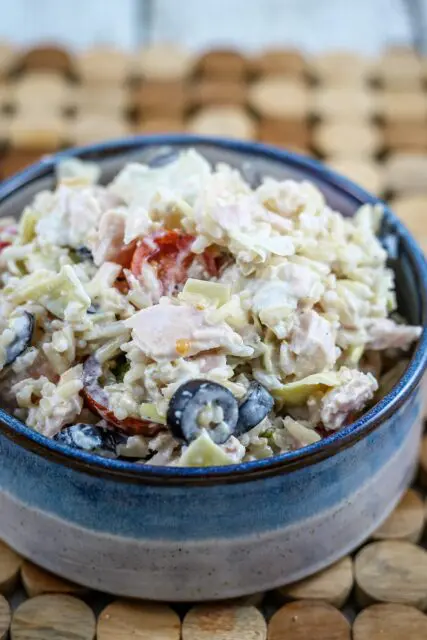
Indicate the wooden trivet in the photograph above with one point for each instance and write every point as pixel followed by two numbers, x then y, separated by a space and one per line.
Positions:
pixel 223 63
pixel 230 122
pixel 406 522
pixel 308 619
pixel 163 63
pixel 405 136
pixel 224 622
pixel 37 581
pixel 406 173
pixel 53 617
pixel 332 585
pixel 403 107
pixel 340 68
pixel 130 620
pixel 364 172
pixel 10 565
pixel 279 97
pixel 96 128
pixel 160 98
pixel 392 571
pixel 218 91
pixel 346 141
pixel 103 66
pixel 390 622
pixel 344 104
pixel 286 62
pixel 5 618
pixel 412 210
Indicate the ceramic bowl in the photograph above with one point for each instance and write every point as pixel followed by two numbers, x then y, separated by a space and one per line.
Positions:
pixel 195 534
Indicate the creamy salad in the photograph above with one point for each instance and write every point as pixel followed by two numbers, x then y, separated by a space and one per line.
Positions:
pixel 178 316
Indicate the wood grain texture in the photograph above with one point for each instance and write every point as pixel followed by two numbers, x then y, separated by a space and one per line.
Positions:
pixel 406 522
pixel 224 622
pixel 53 617
pixel 364 172
pixel 390 622
pixel 308 619
pixel 406 173
pixel 10 564
pixel 132 620
pixel 5 617
pixel 412 209
pixel 332 585
pixel 37 581
pixel 231 122
pixel 391 571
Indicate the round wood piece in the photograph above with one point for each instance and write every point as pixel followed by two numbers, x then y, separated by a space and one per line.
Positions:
pixel 406 522
pixel 47 57
pixel 412 210
pixel 344 104
pixel 96 128
pixel 423 449
pixel 157 98
pixel 103 65
pixel 5 617
pixel 405 136
pixel 332 585
pixel 37 131
pixel 224 622
pixel 10 564
pixel 284 132
pixel 129 620
pixel 104 99
pixel 53 617
pixel 223 121
pixel 164 62
pixel 347 141
pixel 308 619
pixel 46 90
pixel 218 91
pixel 390 622
pixel 37 581
pixel 279 97
pixel 222 63
pixel 406 173
pixel 399 70
pixel 288 62
pixel 340 68
pixel 392 571
pixel 403 107
pixel 160 125
pixel 366 173
pixel 8 58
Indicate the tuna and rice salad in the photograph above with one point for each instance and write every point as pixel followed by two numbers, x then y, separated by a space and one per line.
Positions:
pixel 179 316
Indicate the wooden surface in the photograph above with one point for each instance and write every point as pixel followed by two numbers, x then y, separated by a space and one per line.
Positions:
pixel 308 619
pixel 53 617
pixel 406 522
pixel 392 571
pixel 37 581
pixel 10 564
pixel 333 585
pixel 129 620
pixel 5 618
pixel 224 622
pixel 390 622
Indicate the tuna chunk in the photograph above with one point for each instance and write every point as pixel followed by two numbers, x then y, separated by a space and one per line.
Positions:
pixel 311 347
pixel 167 332
pixel 110 237
pixel 387 334
pixel 356 390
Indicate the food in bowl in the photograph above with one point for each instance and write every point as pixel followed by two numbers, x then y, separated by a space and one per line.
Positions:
pixel 180 316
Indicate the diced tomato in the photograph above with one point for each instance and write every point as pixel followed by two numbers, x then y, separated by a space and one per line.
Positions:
pixel 125 255
pixel 169 253
pixel 3 245
pixel 96 400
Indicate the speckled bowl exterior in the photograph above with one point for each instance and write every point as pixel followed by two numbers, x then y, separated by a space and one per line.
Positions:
pixel 195 534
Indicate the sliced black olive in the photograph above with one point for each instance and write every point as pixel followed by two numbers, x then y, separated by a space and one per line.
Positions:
pixel 93 308
pixel 256 405
pixel 89 437
pixel 185 411
pixel 23 327
pixel 84 253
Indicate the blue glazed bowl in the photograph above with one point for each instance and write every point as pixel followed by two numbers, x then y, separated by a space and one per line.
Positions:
pixel 191 534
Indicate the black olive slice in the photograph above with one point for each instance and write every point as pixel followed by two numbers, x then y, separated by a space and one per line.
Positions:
pixel 254 408
pixel 190 400
pixel 89 437
pixel 23 327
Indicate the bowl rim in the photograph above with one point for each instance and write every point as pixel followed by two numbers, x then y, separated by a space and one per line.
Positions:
pixel 286 462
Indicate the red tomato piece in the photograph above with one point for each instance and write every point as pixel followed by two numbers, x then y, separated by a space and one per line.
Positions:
pixel 169 253
pixel 97 401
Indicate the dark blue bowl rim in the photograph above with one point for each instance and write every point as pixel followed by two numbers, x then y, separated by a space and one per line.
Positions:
pixel 130 471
